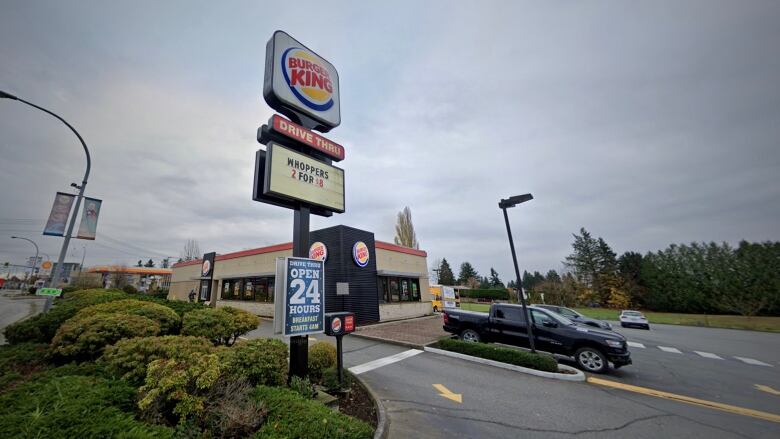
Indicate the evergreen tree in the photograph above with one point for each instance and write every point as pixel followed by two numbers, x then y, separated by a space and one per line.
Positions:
pixel 484 283
pixel 140 263
pixel 467 271
pixel 446 277
pixel 584 261
pixel 495 281
pixel 552 276
pixel 149 264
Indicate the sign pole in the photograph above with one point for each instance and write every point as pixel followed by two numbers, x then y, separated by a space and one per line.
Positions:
pixel 299 345
pixel 340 360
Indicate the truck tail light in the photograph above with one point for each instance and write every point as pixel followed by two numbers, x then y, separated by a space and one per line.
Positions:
pixel 445 317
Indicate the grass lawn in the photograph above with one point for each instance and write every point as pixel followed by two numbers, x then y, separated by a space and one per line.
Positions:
pixel 770 324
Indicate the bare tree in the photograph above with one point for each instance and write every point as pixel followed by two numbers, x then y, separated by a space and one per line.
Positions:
pixel 404 229
pixel 191 250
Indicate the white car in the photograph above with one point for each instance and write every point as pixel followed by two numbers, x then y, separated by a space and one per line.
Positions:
pixel 633 318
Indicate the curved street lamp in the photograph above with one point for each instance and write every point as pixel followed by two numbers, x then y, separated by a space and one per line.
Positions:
pixel 505 204
pixel 55 278
pixel 35 261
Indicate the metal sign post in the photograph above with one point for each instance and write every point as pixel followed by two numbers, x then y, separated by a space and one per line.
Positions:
pixel 299 345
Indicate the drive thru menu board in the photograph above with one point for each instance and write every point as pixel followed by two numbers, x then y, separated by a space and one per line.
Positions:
pixel 290 174
pixel 304 296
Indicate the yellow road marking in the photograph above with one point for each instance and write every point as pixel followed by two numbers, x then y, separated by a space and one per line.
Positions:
pixel 687 399
pixel 767 389
pixel 447 393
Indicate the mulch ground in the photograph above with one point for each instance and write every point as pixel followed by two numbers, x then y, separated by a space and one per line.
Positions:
pixel 359 404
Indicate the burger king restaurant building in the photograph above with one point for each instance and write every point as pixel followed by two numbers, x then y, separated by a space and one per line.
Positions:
pixel 382 281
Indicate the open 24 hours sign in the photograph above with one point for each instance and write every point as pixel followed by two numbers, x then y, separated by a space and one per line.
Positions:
pixel 292 175
pixel 304 296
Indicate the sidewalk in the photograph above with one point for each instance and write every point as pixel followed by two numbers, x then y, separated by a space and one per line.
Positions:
pixel 413 332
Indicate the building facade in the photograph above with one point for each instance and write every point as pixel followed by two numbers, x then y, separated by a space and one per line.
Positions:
pixel 391 284
pixel 142 278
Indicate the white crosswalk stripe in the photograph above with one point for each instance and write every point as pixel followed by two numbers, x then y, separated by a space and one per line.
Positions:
pixel 753 361
pixel 634 344
pixel 371 365
pixel 669 349
pixel 709 355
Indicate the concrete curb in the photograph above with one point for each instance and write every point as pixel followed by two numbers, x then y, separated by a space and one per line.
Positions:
pixel 405 344
pixel 383 422
pixel 577 376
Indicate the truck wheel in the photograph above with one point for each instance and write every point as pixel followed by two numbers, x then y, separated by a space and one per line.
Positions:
pixel 592 360
pixel 470 336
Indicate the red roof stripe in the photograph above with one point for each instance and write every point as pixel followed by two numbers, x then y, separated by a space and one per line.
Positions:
pixel 400 249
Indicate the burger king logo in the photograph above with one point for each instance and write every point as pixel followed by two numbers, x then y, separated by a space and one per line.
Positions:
pixel 335 325
pixel 205 268
pixel 308 78
pixel 318 251
pixel 360 253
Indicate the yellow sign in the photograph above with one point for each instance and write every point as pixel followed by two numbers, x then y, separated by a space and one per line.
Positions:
pixel 46 265
pixel 292 175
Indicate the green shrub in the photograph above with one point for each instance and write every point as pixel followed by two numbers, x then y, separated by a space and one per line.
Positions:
pixel 86 337
pixel 542 362
pixel 20 361
pixel 330 380
pixel 129 289
pixel 42 327
pixel 293 416
pixel 322 355
pixel 221 326
pixel 485 294
pixel 129 358
pixel 181 307
pixel 259 361
pixel 52 406
pixel 169 321
pixel 303 387
pixel 179 389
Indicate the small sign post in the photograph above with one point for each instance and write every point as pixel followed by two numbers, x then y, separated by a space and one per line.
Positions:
pixel 49 292
pixel 338 324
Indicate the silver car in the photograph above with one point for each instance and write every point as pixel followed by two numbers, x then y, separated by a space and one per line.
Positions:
pixel 633 318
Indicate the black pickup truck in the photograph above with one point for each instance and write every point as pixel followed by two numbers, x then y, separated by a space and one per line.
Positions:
pixel 591 348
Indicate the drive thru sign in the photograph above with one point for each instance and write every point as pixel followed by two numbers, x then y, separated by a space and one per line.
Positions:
pixel 304 296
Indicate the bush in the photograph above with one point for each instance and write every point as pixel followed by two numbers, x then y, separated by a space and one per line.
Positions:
pixel 231 412
pixel 330 380
pixel 178 389
pixel 32 290
pixel 485 294
pixel 21 360
pixel 129 289
pixel 293 416
pixel 322 355
pixel 129 358
pixel 52 406
pixel 221 326
pixel 261 361
pixel 541 362
pixel 181 307
pixel 86 337
pixel 42 327
pixel 169 321
pixel 303 387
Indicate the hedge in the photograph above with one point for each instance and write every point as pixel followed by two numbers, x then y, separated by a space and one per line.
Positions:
pixel 20 360
pixel 169 321
pixel 129 358
pixel 260 361
pixel 485 294
pixel 222 326
pixel 86 337
pixel 73 406
pixel 293 416
pixel 541 362
pixel 322 356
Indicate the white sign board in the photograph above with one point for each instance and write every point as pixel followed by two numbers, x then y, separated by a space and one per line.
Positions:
pixel 448 297
pixel 299 80
pixel 292 175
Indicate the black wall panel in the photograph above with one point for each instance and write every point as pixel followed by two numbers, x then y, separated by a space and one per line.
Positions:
pixel 363 298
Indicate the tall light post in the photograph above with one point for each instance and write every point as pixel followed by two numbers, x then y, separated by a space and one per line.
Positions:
pixel 35 261
pixel 505 204
pixel 55 278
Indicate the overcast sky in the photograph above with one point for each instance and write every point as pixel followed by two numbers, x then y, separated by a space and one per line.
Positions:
pixel 648 123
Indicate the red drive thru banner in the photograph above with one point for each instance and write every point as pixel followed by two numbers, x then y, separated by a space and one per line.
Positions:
pixel 310 138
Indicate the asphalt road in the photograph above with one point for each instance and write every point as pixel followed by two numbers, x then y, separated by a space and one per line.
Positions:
pixel 499 403
pixel 13 308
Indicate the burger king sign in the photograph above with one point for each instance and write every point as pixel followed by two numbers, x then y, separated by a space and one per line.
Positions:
pixel 300 84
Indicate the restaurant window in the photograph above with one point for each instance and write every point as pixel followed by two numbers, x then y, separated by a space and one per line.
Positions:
pixel 399 289
pixel 257 289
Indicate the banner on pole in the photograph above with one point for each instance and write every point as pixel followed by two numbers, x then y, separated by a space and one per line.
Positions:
pixel 60 212
pixel 304 296
pixel 89 218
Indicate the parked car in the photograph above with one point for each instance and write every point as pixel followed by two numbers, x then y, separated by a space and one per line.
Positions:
pixel 633 318
pixel 591 348
pixel 577 317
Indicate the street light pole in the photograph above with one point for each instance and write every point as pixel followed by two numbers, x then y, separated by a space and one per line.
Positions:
pixel 35 261
pixel 58 269
pixel 504 204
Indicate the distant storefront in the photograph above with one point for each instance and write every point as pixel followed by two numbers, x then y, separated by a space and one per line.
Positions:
pixel 384 281
pixel 141 278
